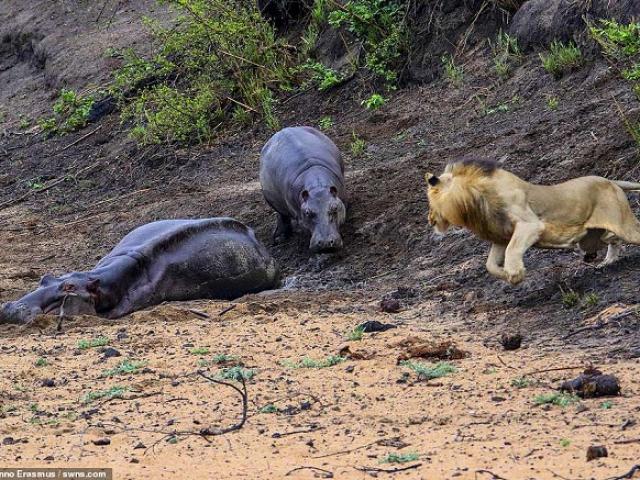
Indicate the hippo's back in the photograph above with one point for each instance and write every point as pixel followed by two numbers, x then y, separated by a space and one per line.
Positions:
pixel 295 149
pixel 191 259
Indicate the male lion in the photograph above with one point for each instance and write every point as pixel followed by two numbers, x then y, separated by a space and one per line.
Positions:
pixel 515 215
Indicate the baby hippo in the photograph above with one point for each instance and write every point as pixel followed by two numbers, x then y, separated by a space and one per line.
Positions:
pixel 302 178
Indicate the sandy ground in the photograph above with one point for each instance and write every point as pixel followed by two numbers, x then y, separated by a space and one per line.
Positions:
pixel 340 420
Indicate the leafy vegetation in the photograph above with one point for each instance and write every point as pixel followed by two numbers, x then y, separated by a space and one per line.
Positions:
pixel 561 58
pixel 506 54
pixel 269 409
pixel 199 351
pixel 355 334
pixel 123 368
pixel 113 392
pixel 399 458
pixel 236 373
pixel 325 123
pixel 380 26
pixel 560 399
pixel 454 73
pixel 552 103
pixel 570 299
pixel 220 63
pixel 358 145
pixel 93 343
pixel 374 102
pixel 41 362
pixel 70 113
pixel 429 372
pixel 565 442
pixel 523 382
pixel 307 362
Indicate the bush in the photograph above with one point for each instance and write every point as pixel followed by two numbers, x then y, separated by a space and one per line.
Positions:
pixel 71 112
pixel 380 26
pixel 220 63
pixel 561 58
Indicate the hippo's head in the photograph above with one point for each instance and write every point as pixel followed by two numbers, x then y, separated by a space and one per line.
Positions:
pixel 74 293
pixel 322 214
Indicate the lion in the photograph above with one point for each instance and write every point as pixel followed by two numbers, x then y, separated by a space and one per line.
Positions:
pixel 515 215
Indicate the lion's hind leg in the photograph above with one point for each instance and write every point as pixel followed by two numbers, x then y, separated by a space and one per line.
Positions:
pixel 591 243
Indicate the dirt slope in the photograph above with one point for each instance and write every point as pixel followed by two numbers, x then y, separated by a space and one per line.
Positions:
pixel 473 419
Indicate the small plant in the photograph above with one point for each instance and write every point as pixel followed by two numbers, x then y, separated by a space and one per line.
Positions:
pixel 591 299
pixel 224 358
pixel 429 372
pixel 325 77
pixel 552 103
pixel 399 458
pixel 617 40
pixel 565 442
pixel 325 123
pixel 557 398
pixel 41 362
pixel 506 53
pixel 307 362
pixel 374 102
pixel 24 123
pixel 71 112
pixel 453 72
pixel 570 299
pixel 561 58
pixel 199 351
pixel 358 145
pixel 125 367
pixel 93 343
pixel 113 392
pixel 523 382
pixel 500 108
pixel 35 184
pixel 236 373
pixel 606 405
pixel 355 334
pixel 381 27
pixel 269 409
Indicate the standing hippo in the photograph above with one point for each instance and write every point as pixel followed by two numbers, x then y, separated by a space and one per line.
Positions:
pixel 302 178
pixel 158 262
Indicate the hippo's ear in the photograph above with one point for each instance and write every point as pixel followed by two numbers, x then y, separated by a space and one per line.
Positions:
pixel 46 279
pixel 93 284
pixel 305 195
pixel 431 179
pixel 333 190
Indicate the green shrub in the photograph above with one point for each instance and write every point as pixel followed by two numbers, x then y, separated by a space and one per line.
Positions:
pixel 374 102
pixel 561 58
pixel 220 62
pixel 556 398
pixel 236 373
pixel 617 40
pixel 125 367
pixel 71 112
pixel 324 77
pixel 307 362
pixel 429 372
pixel 381 27
pixel 506 54
pixel 399 458
pixel 453 72
pixel 358 145
pixel 93 343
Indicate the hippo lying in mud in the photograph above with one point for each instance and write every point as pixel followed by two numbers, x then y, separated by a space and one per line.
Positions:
pixel 161 261
pixel 302 178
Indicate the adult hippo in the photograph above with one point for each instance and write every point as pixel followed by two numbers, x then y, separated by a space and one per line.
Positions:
pixel 157 262
pixel 302 178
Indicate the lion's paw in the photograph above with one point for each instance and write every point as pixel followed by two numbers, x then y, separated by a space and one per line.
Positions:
pixel 515 277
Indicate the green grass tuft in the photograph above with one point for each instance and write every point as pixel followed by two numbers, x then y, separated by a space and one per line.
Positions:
pixel 93 343
pixel 429 372
pixel 561 58
pixel 399 458
pixel 560 399
pixel 125 367
pixel 307 362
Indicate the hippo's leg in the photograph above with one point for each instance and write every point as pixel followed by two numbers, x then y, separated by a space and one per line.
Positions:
pixel 283 228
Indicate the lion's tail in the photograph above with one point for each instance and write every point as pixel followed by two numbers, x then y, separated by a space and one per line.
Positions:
pixel 627 185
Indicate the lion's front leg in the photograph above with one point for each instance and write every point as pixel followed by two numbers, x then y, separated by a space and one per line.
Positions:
pixel 495 261
pixel 525 235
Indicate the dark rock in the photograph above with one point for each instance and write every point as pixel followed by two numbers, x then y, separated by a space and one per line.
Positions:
pixel 511 341
pixel 48 458
pixel 375 326
pixel 48 382
pixel 539 22
pixel 8 441
pixel 596 451
pixel 592 383
pixel 110 352
pixel 139 445
pixel 390 305
pixel 102 441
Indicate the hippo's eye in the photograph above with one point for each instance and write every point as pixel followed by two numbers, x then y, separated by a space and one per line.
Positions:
pixel 309 213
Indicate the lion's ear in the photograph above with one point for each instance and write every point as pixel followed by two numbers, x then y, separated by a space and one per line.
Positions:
pixel 431 179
